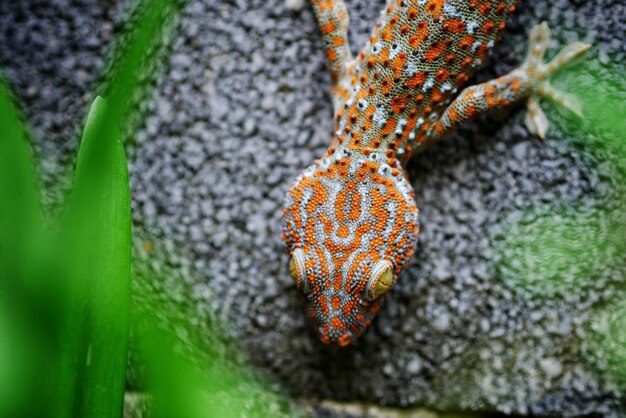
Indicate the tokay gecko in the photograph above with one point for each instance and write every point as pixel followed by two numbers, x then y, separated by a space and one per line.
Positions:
pixel 350 220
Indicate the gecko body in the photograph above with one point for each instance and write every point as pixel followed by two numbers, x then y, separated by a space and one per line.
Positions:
pixel 350 220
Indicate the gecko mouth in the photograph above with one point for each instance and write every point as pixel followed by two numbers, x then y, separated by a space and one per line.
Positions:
pixel 334 336
pixel 339 330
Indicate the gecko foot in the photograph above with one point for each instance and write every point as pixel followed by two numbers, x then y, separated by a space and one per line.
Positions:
pixel 538 73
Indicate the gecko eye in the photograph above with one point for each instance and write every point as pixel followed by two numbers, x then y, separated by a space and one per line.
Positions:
pixel 381 280
pixel 297 271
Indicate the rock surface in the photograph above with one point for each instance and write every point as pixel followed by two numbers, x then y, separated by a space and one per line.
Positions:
pixel 243 106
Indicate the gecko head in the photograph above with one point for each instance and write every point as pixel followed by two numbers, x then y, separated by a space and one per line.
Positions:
pixel 350 225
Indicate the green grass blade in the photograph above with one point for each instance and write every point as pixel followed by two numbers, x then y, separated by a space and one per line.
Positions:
pixel 98 225
pixel 20 215
pixel 23 342
pixel 97 237
pixel 142 48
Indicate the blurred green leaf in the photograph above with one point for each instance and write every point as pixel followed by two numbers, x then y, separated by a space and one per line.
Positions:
pixel 96 237
pixel 184 382
pixel 20 215
pixel 140 50
pixel 25 297
pixel 64 336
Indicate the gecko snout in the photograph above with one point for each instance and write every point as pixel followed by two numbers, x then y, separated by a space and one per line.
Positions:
pixel 340 317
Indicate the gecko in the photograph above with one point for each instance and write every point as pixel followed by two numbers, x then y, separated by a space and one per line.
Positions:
pixel 350 220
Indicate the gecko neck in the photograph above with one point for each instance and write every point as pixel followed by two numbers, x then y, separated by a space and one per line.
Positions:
pixel 398 150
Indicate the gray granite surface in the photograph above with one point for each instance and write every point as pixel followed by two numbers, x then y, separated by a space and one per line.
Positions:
pixel 477 322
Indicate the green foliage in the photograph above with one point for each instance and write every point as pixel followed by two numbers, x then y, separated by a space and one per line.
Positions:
pixel 96 231
pixel 69 287
pixel 580 247
pixel 65 283
pixel 23 256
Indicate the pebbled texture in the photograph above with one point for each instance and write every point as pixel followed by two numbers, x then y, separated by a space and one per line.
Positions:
pixel 243 108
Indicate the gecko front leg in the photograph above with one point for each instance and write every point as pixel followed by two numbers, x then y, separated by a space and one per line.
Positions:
pixel 332 17
pixel 529 81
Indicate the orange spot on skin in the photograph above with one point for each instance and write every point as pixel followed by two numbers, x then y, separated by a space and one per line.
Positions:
pixel 383 58
pixel 325 4
pixel 407 131
pixel 419 36
pixel 442 75
pixel 344 340
pixel 379 212
pixel 466 62
pixel 352 114
pixel 484 8
pixel 337 281
pixel 436 96
pixel 434 7
pixel 482 50
pixel 452 114
pixel 337 323
pixel 435 51
pixel 453 25
pixel 348 308
pixel 399 103
pixel 327 28
pixel 343 231
pixel 387 33
pixel 359 258
pixel 416 81
pixel 398 63
pixel 387 85
pixel 461 79
pixel 328 224
pixel 320 255
pixel 323 306
pixel 363 93
pixel 516 85
pixel 466 42
pixel 369 112
pixel 336 302
pixel 488 27
pixel 389 127
pixel 341 92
